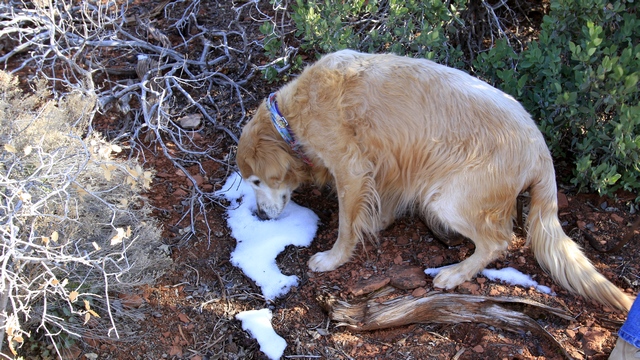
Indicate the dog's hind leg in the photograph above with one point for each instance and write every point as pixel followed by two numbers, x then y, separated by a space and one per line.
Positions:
pixel 486 252
pixel 359 206
pixel 488 227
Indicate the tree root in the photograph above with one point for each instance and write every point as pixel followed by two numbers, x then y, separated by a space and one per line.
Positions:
pixel 442 308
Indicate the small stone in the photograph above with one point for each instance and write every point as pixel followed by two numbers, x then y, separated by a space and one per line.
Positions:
pixel 469 288
pixel 198 179
pixel 163 175
pixel 617 218
pixel 478 349
pixel 180 193
pixel 369 285
pixel 191 121
pixel 175 351
pixel 563 202
pixel 419 292
pixel 436 261
pixel 593 341
pixel 406 277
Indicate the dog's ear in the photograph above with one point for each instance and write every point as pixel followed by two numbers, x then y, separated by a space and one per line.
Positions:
pixel 263 152
pixel 274 161
pixel 245 154
pixel 248 155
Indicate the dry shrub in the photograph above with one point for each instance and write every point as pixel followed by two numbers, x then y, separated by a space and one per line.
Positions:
pixel 75 227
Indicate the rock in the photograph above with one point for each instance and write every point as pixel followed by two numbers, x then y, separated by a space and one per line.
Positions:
pixel 369 285
pixel 406 277
pixel 436 261
pixel 469 288
pixel 419 292
pixel 593 340
pixel 163 175
pixel 180 193
pixel 191 121
pixel 207 188
pixel 175 350
pixel 563 202
pixel 199 179
pixel 617 218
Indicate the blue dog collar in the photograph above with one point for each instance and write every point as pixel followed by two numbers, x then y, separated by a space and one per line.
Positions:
pixel 284 129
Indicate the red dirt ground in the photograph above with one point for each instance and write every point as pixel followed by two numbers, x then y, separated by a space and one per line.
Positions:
pixel 189 312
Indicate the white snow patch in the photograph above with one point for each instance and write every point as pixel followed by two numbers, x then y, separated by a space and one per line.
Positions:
pixel 515 277
pixel 258 324
pixel 259 242
pixel 509 275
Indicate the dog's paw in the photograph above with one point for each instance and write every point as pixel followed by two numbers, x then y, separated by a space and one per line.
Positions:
pixel 450 277
pixel 324 261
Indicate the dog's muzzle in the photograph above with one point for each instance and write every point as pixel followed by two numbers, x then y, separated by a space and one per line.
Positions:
pixel 262 215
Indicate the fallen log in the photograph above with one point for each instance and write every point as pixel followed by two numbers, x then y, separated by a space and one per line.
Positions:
pixel 443 308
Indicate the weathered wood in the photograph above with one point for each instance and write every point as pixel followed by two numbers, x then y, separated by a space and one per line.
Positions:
pixel 442 308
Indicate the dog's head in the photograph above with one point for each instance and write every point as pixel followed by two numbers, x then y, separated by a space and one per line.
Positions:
pixel 267 163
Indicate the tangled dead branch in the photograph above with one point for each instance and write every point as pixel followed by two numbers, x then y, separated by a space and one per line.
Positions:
pixel 441 308
pixel 149 67
pixel 65 235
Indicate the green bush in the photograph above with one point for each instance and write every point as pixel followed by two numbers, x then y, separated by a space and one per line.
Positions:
pixel 578 77
pixel 580 81
pixel 414 27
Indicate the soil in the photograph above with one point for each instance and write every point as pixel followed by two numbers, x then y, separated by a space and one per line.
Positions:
pixel 189 312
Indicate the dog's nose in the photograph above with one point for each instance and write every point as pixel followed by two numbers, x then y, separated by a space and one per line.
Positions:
pixel 262 215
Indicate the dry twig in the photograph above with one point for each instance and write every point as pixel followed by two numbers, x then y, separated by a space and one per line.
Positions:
pixel 441 308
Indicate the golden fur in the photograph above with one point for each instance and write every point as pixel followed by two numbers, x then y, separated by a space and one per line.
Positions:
pixel 395 134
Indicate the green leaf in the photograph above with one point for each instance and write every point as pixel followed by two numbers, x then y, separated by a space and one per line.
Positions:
pixel 631 81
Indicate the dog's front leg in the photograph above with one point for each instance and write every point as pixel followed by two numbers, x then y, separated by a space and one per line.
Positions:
pixel 358 212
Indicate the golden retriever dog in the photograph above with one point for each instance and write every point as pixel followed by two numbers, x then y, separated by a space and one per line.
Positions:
pixel 394 135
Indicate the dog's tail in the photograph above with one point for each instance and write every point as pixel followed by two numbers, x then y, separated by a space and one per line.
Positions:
pixel 559 255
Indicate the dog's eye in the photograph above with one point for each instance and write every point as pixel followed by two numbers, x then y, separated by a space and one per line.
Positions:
pixel 256 182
